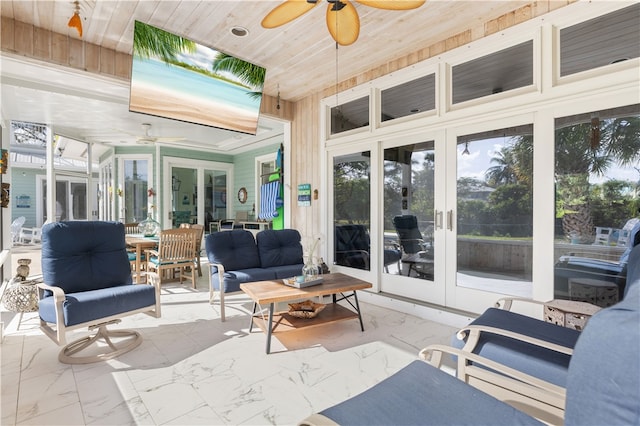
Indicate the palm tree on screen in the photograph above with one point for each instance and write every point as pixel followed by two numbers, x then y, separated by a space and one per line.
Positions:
pixel 249 74
pixel 151 41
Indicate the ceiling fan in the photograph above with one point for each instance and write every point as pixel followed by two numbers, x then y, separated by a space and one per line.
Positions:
pixel 342 18
pixel 147 138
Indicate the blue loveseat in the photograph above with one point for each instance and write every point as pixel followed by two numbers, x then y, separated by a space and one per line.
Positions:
pixel 236 257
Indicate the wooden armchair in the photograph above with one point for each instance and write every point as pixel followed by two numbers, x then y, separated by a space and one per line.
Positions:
pixel 200 228
pixel 176 251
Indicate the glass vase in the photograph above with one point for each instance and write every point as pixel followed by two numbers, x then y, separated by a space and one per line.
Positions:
pixel 309 270
pixel 149 227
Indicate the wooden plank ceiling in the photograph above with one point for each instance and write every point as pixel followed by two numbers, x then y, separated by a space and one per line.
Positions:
pixel 300 57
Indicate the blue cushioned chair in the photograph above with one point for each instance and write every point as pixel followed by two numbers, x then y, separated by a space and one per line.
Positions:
pixel 87 283
pixel 602 384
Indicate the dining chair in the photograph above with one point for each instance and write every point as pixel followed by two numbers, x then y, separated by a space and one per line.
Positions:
pixel 198 242
pixel 132 228
pixel 176 251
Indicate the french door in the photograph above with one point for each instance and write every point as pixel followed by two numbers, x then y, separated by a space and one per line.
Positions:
pixel 196 192
pixel 412 217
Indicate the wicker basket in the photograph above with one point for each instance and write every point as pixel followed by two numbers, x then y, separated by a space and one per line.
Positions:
pixel 306 309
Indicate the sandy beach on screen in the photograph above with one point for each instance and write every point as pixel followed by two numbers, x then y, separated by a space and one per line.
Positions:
pixel 156 101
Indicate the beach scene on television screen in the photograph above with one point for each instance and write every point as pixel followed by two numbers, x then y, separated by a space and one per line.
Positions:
pixel 177 78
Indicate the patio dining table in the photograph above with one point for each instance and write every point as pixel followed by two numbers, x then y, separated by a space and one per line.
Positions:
pixel 140 242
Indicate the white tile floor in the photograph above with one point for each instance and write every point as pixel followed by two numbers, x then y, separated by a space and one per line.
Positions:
pixel 194 369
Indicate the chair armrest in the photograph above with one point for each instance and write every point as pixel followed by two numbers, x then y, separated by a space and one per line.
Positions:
pixel 153 279
pixel 506 302
pixel 220 268
pixel 473 332
pixel 151 252
pixel 468 362
pixel 57 335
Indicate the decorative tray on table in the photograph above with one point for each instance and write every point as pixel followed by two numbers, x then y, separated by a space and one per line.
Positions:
pixel 300 282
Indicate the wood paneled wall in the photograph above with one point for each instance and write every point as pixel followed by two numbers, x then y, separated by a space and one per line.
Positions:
pixel 305 130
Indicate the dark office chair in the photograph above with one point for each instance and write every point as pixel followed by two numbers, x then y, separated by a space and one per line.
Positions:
pixel 352 247
pixel 416 252
pixel 409 234
pixel 574 266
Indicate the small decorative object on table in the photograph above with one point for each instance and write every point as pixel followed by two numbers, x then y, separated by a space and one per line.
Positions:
pixel 306 309
pixel 22 272
pixel 149 227
pixel 301 282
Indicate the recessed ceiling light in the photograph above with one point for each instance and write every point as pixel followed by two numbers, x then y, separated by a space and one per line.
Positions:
pixel 239 31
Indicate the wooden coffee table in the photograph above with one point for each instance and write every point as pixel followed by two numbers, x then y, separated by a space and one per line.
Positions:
pixel 272 292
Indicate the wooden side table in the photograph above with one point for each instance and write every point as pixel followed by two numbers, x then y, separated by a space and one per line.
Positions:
pixel 569 313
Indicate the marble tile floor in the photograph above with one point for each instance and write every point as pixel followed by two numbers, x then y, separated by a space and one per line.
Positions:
pixel 194 369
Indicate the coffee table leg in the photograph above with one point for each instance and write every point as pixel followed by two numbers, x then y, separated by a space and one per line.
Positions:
pixel 252 315
pixel 355 298
pixel 269 327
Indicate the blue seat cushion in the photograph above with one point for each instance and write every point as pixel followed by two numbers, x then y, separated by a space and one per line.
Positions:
pixel 90 305
pixel 132 256
pixel 156 261
pixel 539 362
pixel 235 250
pixel 286 271
pixel 233 279
pixel 279 247
pixel 421 394
pixel 391 256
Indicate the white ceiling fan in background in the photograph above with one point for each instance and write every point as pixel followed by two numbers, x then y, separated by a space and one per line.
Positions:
pixel 147 138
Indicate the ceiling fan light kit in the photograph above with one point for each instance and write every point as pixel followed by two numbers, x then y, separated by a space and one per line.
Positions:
pixel 342 17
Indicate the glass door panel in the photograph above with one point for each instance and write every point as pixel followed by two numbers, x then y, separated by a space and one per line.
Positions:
pixel 215 196
pixel 351 210
pixel 494 220
pixel 184 196
pixel 597 169
pixel 136 184
pixel 409 173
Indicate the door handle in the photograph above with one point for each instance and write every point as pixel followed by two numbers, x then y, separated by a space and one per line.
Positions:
pixel 450 220
pixel 438 219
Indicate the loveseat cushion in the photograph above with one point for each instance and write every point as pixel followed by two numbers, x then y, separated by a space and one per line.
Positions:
pixel 91 257
pixel 539 362
pixel 233 279
pixel 421 394
pixel 286 271
pixel 279 247
pixel 90 305
pixel 235 249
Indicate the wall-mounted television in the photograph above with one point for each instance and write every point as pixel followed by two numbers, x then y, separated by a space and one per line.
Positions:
pixel 177 78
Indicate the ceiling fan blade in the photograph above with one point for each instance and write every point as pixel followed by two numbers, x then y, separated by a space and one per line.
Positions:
pixel 393 4
pixel 287 12
pixel 343 22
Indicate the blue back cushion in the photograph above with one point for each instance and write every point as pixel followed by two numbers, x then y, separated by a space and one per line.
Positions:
pixel 279 247
pixel 603 387
pixel 234 249
pixel 82 256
